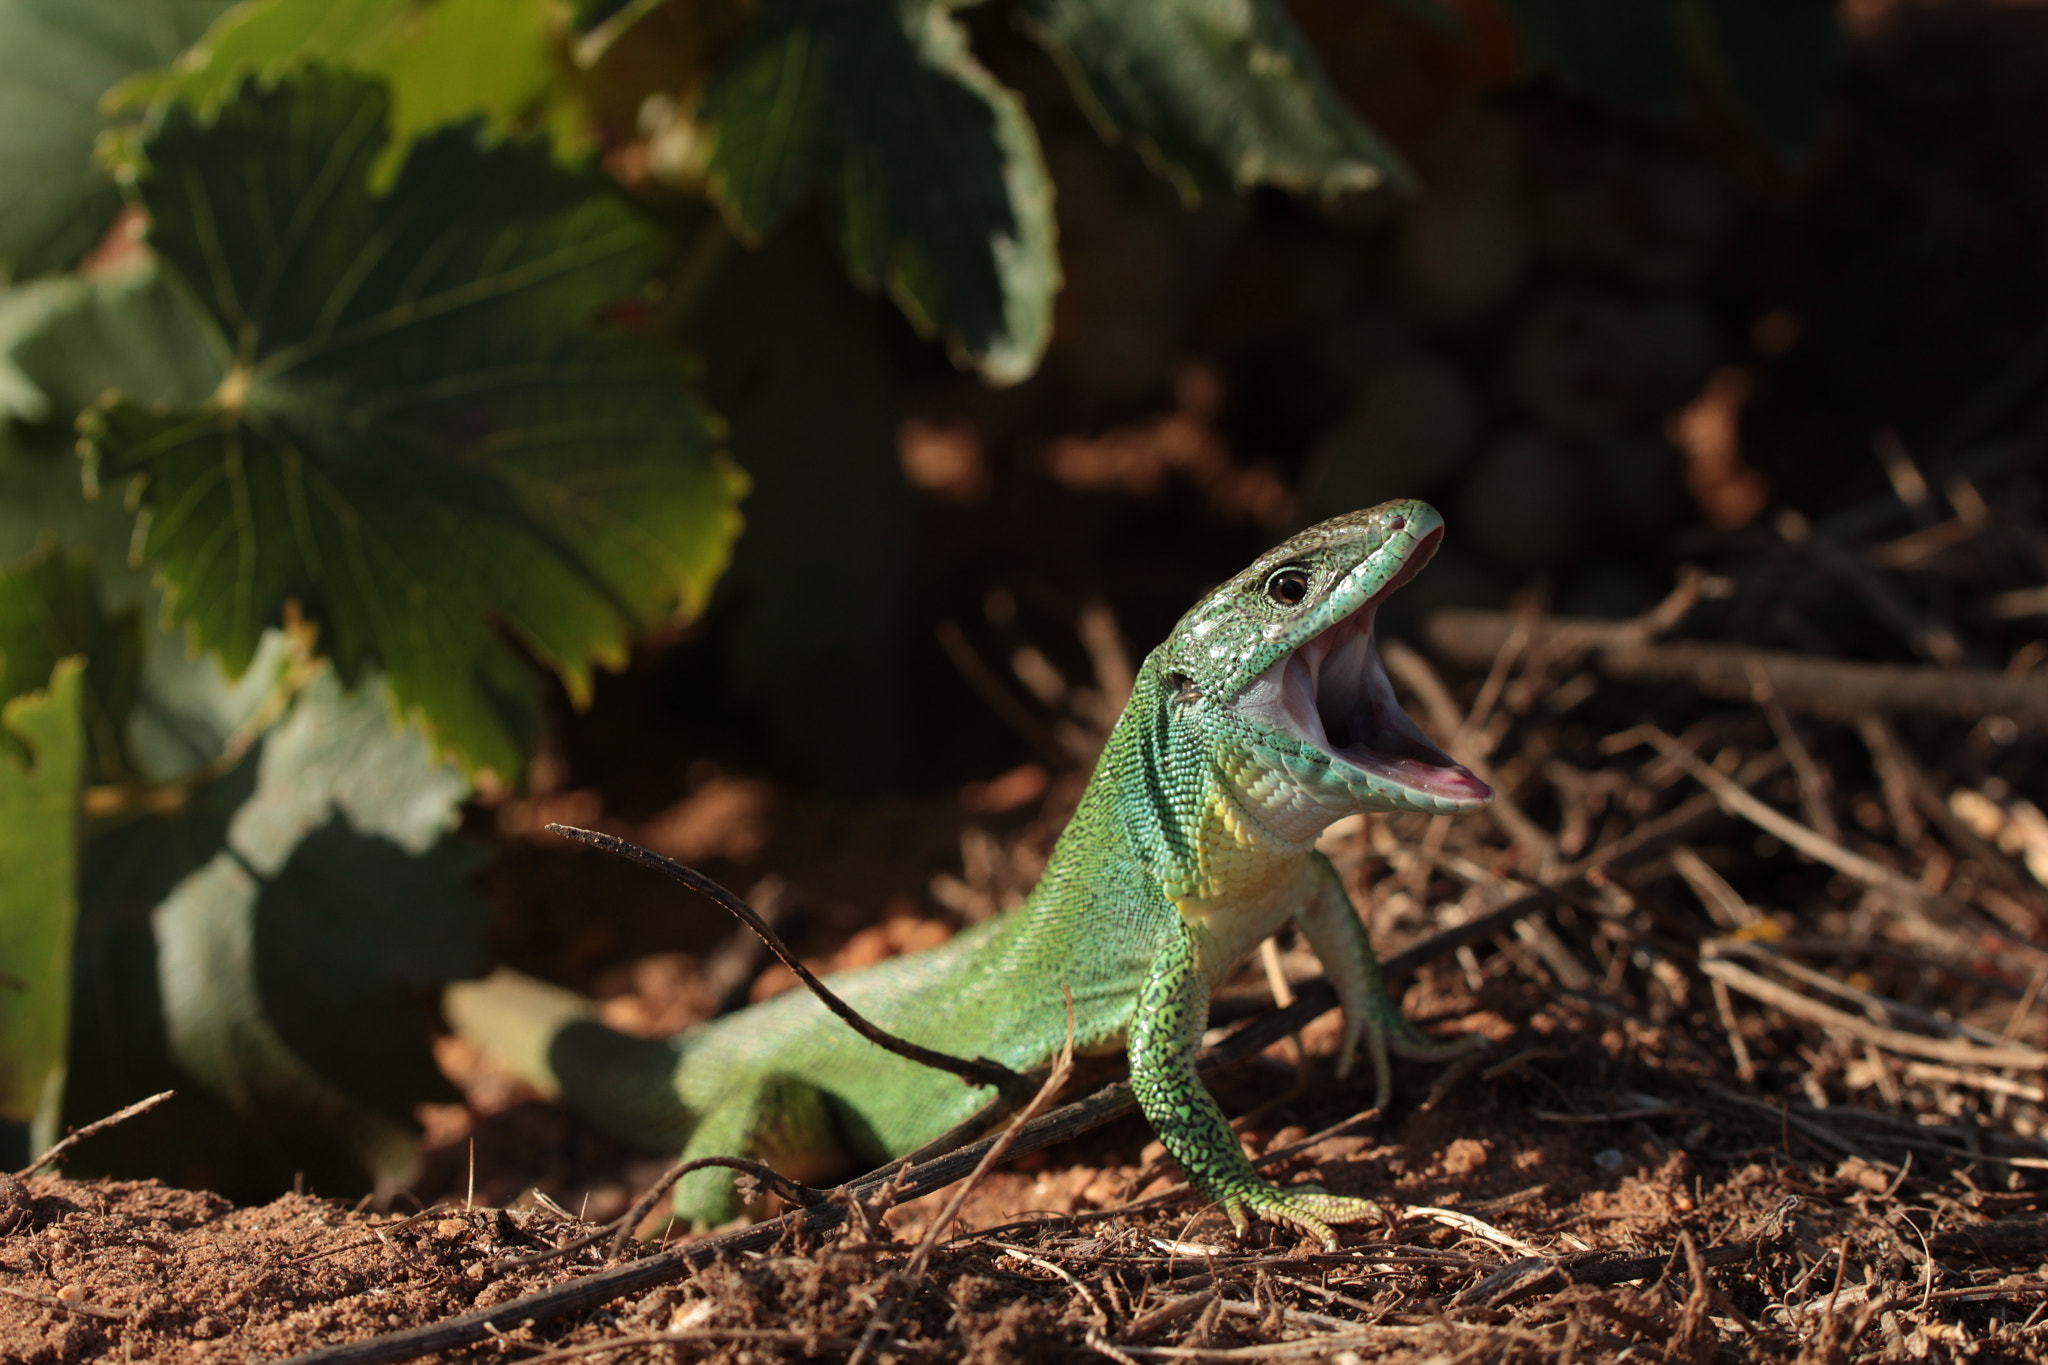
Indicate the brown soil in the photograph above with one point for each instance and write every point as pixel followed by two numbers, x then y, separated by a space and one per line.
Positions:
pixel 1538 1151
pixel 137 1270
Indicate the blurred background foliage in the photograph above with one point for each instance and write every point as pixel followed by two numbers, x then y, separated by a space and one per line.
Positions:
pixel 380 378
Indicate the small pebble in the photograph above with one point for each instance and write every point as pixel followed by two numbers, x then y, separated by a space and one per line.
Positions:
pixel 1610 1159
pixel 72 1293
pixel 450 1227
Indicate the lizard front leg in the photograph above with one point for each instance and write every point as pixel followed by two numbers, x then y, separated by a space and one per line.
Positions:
pixel 1173 1009
pixel 1337 934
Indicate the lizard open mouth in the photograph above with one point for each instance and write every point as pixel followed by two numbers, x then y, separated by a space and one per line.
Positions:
pixel 1333 693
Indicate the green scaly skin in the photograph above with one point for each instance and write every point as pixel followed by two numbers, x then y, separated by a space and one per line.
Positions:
pixel 1193 842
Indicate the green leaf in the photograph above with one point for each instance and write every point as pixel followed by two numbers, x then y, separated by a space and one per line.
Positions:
pixel 47 613
pixel 268 950
pixel 420 439
pixel 57 57
pixel 1218 95
pixel 182 714
pixel 63 343
pixel 931 167
pixel 38 907
pixel 189 718
pixel 445 60
pixel 1625 55
pixel 23 309
pixel 50 611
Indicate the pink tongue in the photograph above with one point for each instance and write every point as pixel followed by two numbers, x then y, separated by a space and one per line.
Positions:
pixel 1446 779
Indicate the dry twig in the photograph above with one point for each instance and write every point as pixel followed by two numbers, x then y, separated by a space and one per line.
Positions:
pixel 62 1148
pixel 1834 688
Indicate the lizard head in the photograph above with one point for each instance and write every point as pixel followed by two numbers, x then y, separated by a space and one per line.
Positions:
pixel 1280 666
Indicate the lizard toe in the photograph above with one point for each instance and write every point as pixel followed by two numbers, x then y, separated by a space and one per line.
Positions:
pixel 1306 1207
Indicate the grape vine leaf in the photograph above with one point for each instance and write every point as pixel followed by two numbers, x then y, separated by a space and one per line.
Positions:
pixel 156 711
pixel 417 439
pixel 1217 95
pixel 47 613
pixel 50 611
pixel 57 57
pixel 64 341
pixel 38 904
pixel 444 61
pixel 269 950
pixel 931 168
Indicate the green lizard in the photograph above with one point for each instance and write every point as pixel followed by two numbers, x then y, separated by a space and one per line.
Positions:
pixel 1265 716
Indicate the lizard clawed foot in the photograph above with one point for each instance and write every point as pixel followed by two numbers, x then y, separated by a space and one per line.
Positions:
pixel 1307 1207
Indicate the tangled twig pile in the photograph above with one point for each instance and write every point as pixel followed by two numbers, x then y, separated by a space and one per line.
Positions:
pixel 1756 919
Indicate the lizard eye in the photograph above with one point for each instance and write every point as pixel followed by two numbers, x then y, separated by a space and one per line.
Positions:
pixel 1288 587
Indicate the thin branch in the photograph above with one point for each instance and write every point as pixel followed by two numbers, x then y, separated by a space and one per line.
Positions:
pixel 1882 1005
pixel 51 1301
pixel 1813 782
pixel 809 1342
pixel 1800 1006
pixel 883 1325
pixel 1834 688
pixel 1466 1223
pixel 974 1071
pixel 620 1229
pixel 1896 764
pixel 1411 668
pixel 1738 802
pixel 1324 1346
pixel 1536 1274
pixel 797 1193
pixel 62 1148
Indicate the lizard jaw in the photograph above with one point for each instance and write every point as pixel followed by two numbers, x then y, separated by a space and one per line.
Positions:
pixel 1333 694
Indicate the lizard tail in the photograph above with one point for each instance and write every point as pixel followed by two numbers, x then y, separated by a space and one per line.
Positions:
pixel 553 1039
